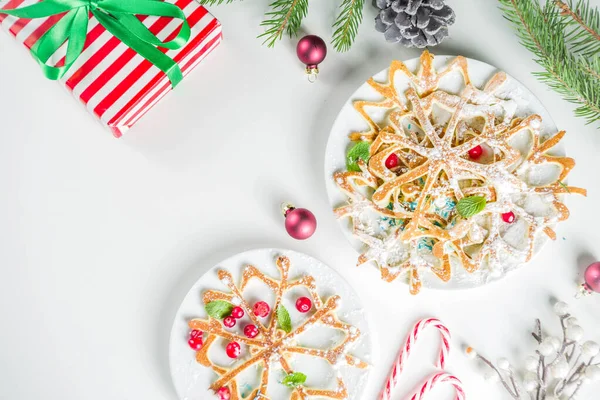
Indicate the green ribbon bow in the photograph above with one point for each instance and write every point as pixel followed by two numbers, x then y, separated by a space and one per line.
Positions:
pixel 117 16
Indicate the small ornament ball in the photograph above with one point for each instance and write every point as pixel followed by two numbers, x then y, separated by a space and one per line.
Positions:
pixel 574 332
pixel 561 308
pixel 300 223
pixel 590 349
pixel 592 278
pixel 311 50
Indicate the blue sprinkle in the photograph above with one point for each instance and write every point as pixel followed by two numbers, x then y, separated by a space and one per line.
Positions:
pixel 564 238
pixel 409 125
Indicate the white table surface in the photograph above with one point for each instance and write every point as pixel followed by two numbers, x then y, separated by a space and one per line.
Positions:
pixel 101 238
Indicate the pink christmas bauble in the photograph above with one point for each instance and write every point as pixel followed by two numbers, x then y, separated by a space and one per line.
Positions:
pixel 311 50
pixel 592 277
pixel 300 223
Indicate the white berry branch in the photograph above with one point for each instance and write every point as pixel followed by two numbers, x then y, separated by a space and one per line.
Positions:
pixel 558 369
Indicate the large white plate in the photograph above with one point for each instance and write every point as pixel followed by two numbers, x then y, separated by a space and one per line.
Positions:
pixel 192 380
pixel 349 120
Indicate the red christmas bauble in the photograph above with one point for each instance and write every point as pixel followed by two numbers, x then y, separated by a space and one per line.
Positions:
pixel 311 50
pixel 592 277
pixel 300 223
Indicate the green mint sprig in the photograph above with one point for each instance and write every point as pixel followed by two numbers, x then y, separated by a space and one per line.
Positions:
pixel 294 379
pixel 470 206
pixel 219 309
pixel 283 319
pixel 360 151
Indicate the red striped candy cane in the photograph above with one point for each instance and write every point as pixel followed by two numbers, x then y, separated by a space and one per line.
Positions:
pixel 438 379
pixel 405 352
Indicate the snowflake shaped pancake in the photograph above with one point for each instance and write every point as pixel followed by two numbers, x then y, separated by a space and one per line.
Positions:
pixel 435 167
pixel 273 345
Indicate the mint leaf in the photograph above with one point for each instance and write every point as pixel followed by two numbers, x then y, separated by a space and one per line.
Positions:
pixel 283 319
pixel 218 309
pixel 360 151
pixel 469 206
pixel 294 379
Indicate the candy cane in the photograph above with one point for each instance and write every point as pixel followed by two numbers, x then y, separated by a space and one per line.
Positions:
pixel 437 379
pixel 405 352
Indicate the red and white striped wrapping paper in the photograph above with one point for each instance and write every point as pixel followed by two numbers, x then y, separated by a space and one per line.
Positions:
pixel 116 84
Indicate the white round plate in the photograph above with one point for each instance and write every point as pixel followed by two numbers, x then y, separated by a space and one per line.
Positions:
pixel 349 120
pixel 192 380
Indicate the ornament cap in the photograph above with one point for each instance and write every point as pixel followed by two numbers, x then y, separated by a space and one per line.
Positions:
pixel 312 72
pixel 286 208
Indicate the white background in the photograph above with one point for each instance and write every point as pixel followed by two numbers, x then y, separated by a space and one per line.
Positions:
pixel 101 238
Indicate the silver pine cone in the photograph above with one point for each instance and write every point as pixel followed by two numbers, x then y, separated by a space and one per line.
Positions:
pixel 414 23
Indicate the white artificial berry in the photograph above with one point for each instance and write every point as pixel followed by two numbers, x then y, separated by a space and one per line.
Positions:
pixel 491 377
pixel 531 363
pixel 560 370
pixel 561 308
pixel 551 398
pixel 530 381
pixel 555 342
pixel 592 373
pixel 574 332
pixel 503 364
pixel 590 349
pixel 546 348
pixel 571 321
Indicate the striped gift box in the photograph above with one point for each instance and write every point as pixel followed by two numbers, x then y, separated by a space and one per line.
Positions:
pixel 115 83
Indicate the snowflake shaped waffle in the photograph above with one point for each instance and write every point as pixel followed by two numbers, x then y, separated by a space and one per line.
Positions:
pixel 435 169
pixel 273 346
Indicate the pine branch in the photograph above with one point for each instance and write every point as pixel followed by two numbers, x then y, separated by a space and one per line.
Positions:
pixel 286 16
pixel 544 32
pixel 585 21
pixel 214 2
pixel 347 23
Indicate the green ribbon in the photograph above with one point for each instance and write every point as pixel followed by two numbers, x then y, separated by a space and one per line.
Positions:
pixel 118 17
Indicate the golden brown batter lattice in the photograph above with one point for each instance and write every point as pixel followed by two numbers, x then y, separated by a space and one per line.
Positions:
pixel 273 345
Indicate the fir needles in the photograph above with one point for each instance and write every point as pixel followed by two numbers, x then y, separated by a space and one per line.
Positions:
pixel 285 16
pixel 564 37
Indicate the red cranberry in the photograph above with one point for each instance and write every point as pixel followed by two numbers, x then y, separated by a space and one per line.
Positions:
pixel 251 331
pixel 508 217
pixel 261 309
pixel 233 350
pixel 196 333
pixel 476 152
pixel 196 343
pixel 229 322
pixel 224 393
pixel 303 304
pixel 392 161
pixel 237 312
